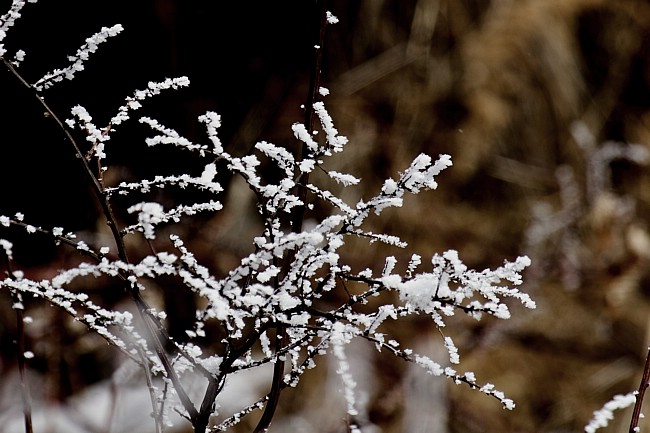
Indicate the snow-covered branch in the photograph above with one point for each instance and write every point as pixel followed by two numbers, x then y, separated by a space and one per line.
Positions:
pixel 284 304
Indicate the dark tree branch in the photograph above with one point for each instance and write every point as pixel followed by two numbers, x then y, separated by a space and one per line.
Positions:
pixel 643 386
pixel 314 84
pixel 298 215
pixel 27 405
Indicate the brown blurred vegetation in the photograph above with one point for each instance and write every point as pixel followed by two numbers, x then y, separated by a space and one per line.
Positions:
pixel 499 85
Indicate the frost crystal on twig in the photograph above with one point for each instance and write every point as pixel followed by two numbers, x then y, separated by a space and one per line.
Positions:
pixel 77 60
pixel 603 416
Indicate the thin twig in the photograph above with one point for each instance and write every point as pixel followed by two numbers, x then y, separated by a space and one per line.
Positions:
pixel 645 381
pixel 152 329
pixel 276 387
pixel 298 216
pixel 156 414
pixel 20 329
pixel 27 401
pixel 314 85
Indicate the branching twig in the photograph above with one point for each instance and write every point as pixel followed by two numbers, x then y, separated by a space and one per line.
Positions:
pixel 276 293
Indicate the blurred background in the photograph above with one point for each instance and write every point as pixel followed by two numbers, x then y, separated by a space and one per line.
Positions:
pixel 544 106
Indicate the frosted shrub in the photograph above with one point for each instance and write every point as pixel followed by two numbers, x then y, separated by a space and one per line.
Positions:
pixel 564 243
pixel 276 307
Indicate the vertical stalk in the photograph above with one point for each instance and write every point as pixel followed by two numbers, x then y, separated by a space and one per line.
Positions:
pixel 20 330
pixel 643 386
pixel 298 215
pixel 27 401
pixel 314 84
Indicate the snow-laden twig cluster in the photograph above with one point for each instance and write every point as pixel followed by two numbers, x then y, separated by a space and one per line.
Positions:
pixel 282 303
pixel 552 238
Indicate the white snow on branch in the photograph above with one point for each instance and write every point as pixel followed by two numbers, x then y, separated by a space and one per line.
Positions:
pixel 331 18
pixel 334 140
pixel 77 60
pixel 170 136
pixel 151 214
pixel 603 416
pixel 8 19
pixel 153 88
pixel 343 178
